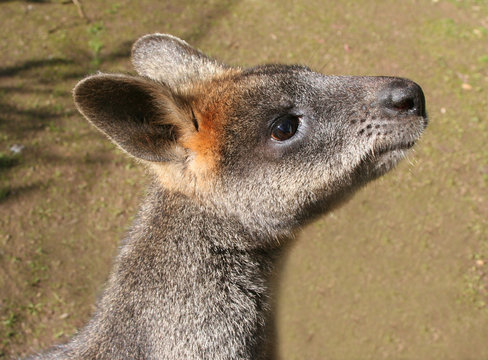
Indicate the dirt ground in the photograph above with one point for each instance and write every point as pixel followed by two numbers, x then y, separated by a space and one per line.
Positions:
pixel 400 272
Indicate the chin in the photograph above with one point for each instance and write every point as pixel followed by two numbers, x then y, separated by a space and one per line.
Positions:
pixel 378 164
pixel 387 161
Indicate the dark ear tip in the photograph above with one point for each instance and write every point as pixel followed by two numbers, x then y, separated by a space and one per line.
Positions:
pixel 80 91
pixel 92 92
pixel 81 86
pixel 86 87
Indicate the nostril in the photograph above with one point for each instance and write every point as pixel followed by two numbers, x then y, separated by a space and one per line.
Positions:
pixel 404 104
pixel 402 97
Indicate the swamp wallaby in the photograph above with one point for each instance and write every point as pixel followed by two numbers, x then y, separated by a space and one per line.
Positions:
pixel 241 159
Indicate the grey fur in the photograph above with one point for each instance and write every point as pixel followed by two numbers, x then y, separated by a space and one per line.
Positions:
pixel 192 279
pixel 171 60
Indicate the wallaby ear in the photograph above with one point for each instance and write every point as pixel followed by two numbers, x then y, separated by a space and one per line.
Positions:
pixel 171 60
pixel 142 117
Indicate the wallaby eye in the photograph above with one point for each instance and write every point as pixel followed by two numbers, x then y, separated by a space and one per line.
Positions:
pixel 285 127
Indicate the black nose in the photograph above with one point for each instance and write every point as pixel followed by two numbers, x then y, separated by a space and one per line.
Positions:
pixel 402 97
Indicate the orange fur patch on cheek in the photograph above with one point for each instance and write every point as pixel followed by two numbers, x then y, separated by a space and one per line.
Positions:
pixel 205 143
pixel 211 108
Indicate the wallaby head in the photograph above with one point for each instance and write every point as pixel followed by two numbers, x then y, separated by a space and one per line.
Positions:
pixel 270 146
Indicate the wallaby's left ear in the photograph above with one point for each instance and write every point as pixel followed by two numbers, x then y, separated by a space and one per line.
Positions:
pixel 171 60
pixel 144 118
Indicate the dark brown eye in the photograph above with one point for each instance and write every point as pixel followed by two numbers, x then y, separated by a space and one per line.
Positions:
pixel 285 127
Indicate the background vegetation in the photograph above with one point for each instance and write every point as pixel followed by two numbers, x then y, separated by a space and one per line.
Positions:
pixel 400 272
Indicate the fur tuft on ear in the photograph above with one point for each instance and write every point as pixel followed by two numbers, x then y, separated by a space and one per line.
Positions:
pixel 171 60
pixel 144 118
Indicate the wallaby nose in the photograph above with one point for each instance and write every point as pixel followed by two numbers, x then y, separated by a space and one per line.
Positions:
pixel 402 97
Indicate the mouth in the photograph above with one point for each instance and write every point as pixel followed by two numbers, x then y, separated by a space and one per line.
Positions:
pixel 383 158
pixel 385 149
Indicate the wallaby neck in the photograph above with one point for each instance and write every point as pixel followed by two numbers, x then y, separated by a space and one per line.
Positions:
pixel 178 291
pixel 172 218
